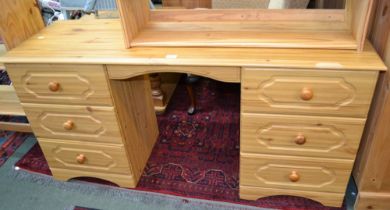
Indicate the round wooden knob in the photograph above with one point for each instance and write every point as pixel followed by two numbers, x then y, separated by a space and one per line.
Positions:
pixel 54 86
pixel 294 176
pixel 307 94
pixel 300 139
pixel 81 158
pixel 68 125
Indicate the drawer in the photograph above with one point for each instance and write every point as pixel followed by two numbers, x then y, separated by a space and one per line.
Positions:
pixel 60 84
pixel 125 181
pixel 83 156
pixel 87 123
pixel 328 137
pixel 325 198
pixel 318 92
pixel 295 173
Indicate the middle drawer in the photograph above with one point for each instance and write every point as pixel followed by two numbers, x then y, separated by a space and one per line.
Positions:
pixel 301 135
pixel 88 123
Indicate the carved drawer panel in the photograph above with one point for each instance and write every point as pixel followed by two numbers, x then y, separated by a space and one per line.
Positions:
pixel 60 84
pixel 301 135
pixel 320 92
pixel 87 123
pixel 296 173
pixel 85 156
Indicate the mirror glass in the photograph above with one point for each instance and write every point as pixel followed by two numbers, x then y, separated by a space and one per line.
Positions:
pixel 249 4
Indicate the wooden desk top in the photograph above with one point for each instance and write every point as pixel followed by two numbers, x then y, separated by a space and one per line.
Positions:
pixel 101 42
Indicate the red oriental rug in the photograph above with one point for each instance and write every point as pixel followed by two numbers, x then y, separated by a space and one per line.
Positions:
pixel 9 142
pixel 196 156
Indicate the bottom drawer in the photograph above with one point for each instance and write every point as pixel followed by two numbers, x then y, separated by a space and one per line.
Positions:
pixel 82 156
pixel 127 181
pixel 295 173
pixel 327 199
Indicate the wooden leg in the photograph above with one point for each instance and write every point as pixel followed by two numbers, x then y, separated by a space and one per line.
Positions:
pixel 137 119
pixel 157 93
pixel 190 80
pixel 190 90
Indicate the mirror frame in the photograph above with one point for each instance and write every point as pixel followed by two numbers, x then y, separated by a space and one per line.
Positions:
pixel 354 20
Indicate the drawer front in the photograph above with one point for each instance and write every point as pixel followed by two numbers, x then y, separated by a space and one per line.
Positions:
pixel 325 198
pixel 301 135
pixel 319 92
pixel 85 156
pixel 125 181
pixel 60 84
pixel 287 172
pixel 88 123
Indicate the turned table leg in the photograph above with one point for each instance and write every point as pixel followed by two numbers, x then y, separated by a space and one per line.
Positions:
pixel 157 93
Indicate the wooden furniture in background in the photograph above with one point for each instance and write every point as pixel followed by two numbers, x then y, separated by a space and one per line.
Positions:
pixel 162 89
pixel 157 93
pixel 372 169
pixel 188 4
pixel 243 4
pixel 19 20
pixel 100 122
pixel 330 29
pixel 329 4
pixel 2 52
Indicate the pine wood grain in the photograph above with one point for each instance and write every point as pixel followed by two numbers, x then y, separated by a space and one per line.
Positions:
pixel 335 93
pixel 372 168
pixel 354 18
pixel 360 17
pixel 18 127
pixel 197 35
pixel 19 20
pixel 215 15
pixel 327 199
pixel 370 200
pixel 121 180
pixel 137 120
pixel 319 175
pixel 101 158
pixel 325 137
pixel 9 101
pixel 90 123
pixel 78 84
pixel 225 74
pixel 101 42
pixel 134 16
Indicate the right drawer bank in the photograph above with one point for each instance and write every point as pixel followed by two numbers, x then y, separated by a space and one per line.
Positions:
pixel 300 131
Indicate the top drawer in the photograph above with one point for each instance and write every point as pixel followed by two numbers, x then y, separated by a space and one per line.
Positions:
pixel 312 92
pixel 60 84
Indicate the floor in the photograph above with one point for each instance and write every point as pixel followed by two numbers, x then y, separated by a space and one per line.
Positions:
pixel 22 190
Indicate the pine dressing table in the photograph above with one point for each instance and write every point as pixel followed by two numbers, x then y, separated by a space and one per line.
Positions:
pixel 88 101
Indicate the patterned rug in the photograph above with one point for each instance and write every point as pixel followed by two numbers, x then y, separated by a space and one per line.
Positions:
pixel 196 156
pixel 9 141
